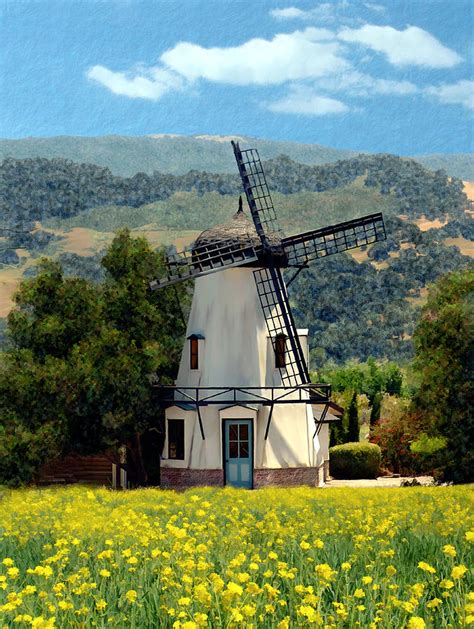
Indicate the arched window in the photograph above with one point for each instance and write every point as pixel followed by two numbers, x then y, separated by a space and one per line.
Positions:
pixel 280 351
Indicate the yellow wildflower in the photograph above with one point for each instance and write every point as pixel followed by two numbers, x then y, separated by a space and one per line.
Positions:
pixel 249 610
pixel 458 572
pixel 449 550
pixel 426 567
pixel 101 605
pixel 131 596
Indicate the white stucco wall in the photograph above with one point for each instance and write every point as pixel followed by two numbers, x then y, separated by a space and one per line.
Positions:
pixel 236 351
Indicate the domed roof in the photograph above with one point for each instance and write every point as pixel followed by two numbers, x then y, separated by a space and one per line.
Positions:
pixel 239 227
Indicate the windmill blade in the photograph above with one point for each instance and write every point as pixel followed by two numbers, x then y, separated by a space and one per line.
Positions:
pixel 206 259
pixel 279 319
pixel 256 190
pixel 319 243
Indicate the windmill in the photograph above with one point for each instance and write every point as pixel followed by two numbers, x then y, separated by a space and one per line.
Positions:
pixel 247 253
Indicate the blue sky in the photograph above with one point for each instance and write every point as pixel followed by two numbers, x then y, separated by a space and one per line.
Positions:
pixel 378 76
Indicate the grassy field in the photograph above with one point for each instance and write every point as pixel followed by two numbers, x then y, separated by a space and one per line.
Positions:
pixel 77 557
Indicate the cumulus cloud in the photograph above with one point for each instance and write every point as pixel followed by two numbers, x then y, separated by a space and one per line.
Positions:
pixel 314 63
pixel 150 84
pixel 360 84
pixel 413 46
pixel 286 57
pixel 460 93
pixel 306 101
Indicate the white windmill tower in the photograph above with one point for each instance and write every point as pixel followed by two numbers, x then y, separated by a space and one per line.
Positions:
pixel 243 410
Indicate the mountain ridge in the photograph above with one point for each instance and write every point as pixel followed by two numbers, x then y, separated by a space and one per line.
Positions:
pixel 177 154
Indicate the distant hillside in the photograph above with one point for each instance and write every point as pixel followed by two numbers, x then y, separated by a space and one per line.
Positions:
pixel 356 305
pixel 126 156
pixel 456 164
pixel 38 188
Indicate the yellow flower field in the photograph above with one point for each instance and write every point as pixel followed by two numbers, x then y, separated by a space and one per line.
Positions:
pixel 76 557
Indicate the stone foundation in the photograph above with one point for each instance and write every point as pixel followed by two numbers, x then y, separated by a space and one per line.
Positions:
pixel 287 477
pixel 182 477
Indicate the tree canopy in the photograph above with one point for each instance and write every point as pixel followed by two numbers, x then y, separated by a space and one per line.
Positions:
pixel 444 346
pixel 77 376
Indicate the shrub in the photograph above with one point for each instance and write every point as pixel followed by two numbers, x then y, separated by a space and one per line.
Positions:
pixel 355 460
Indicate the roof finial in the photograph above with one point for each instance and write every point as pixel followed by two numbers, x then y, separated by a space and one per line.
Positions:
pixel 240 210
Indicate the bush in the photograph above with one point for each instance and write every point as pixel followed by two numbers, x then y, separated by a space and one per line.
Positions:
pixel 355 460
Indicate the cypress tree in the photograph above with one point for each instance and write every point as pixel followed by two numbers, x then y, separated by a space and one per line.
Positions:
pixel 375 410
pixel 353 420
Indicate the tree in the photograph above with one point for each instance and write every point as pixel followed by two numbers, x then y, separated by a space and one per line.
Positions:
pixel 375 410
pixel 444 346
pixel 39 388
pixel 353 427
pixel 77 378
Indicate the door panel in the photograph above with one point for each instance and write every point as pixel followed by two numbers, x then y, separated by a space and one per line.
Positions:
pixel 238 449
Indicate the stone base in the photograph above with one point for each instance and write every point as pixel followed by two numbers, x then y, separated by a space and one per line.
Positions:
pixel 180 478
pixel 172 477
pixel 287 477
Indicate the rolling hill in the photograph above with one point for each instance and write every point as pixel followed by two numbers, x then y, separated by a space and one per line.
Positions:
pixel 356 304
pixel 127 155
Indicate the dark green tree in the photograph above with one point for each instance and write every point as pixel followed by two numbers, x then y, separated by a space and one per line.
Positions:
pixel 444 345
pixel 353 427
pixel 77 378
pixel 375 409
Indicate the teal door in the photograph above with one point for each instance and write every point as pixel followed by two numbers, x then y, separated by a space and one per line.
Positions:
pixel 238 451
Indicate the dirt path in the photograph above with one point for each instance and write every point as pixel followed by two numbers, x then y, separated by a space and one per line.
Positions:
pixel 381 481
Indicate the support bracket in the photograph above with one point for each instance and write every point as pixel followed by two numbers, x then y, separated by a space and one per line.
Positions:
pixel 272 406
pixel 319 422
pixel 201 427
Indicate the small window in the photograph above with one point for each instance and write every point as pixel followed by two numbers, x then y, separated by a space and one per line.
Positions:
pixel 194 352
pixel 280 351
pixel 176 439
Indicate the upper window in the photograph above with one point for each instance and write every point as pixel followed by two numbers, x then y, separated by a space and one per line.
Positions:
pixel 194 352
pixel 280 351
pixel 176 439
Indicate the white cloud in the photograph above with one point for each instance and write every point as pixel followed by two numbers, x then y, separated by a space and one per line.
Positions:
pixel 378 8
pixel 460 93
pixel 359 84
pixel 413 46
pixel 304 100
pixel 150 84
pixel 324 12
pixel 286 57
pixel 291 13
